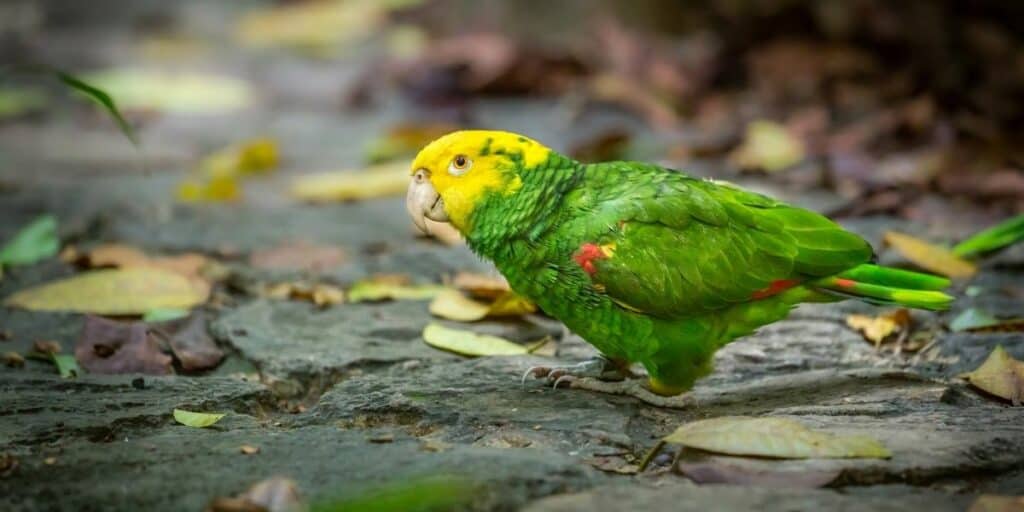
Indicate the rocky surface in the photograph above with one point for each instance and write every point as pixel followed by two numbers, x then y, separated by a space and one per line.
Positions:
pixel 348 398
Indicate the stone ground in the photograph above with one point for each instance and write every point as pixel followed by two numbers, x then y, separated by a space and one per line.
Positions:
pixel 347 398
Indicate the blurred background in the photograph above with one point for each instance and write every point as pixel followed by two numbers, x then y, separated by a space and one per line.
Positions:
pixel 856 108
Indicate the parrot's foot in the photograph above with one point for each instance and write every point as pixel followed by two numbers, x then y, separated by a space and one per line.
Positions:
pixel 630 387
pixel 596 368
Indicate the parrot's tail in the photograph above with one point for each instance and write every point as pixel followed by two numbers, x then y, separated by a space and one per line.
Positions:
pixel 888 286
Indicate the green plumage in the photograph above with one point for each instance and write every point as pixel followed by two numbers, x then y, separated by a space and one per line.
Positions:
pixel 655 267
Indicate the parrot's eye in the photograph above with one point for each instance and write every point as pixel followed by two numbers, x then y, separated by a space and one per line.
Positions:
pixel 460 165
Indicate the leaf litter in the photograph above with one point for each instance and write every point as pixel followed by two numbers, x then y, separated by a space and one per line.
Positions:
pixel 929 256
pixel 34 242
pixel 453 305
pixel 1000 375
pixel 114 347
pixel 773 437
pixel 196 419
pixel 383 287
pixel 469 343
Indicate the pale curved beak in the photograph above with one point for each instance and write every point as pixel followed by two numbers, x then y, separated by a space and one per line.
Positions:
pixel 423 202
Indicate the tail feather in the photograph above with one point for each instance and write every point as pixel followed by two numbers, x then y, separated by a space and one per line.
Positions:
pixel 888 286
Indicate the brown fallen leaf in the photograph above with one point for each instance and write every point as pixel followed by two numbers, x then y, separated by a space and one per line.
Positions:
pixel 300 255
pixel 277 494
pixel 613 464
pixel 190 342
pixel 481 286
pixel 930 257
pixel 995 503
pixel 877 329
pixel 721 473
pixel 194 266
pixel 111 347
pixel 321 294
pixel 46 347
pixel 249 449
pixel 13 360
pixel 1000 375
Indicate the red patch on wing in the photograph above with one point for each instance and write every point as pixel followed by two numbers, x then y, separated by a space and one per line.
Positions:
pixel 778 286
pixel 586 255
pixel 845 283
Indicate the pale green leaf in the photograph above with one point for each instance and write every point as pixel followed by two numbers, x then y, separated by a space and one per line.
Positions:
pixel 124 291
pixel 196 419
pixel 36 241
pixel 773 437
pixel 368 291
pixel 469 343
pixel 164 314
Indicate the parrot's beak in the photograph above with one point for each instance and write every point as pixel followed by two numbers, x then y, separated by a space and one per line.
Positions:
pixel 423 202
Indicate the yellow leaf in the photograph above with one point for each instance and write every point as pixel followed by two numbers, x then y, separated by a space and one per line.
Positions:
pixel 129 291
pixel 772 437
pixel 996 503
pixel 481 285
pixel 1000 375
pixel 136 89
pixel 930 257
pixel 254 156
pixel 453 305
pixel 214 189
pixel 405 140
pixel 768 146
pixel 380 181
pixel 469 343
pixel 511 304
pixel 321 294
pixel 384 289
pixel 877 328
pixel 196 419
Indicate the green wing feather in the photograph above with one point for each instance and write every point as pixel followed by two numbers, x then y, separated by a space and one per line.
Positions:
pixel 682 246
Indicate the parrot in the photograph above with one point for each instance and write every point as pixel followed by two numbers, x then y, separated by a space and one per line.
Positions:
pixel 645 263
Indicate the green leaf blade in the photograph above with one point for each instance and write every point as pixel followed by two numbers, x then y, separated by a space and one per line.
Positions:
pixel 36 241
pixel 104 100
pixel 196 419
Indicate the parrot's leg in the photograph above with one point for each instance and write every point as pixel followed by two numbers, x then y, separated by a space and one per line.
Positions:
pixel 597 368
pixel 630 387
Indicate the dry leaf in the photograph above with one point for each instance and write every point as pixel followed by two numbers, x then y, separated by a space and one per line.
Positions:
pixel 511 304
pixel 129 291
pixel 481 285
pixel 13 360
pixel 995 503
pixel 385 180
pixel 111 347
pixel 299 255
pixel 190 342
pixel 46 347
pixel 255 156
pixel 878 328
pixel 321 294
pixel 391 287
pixel 772 437
pixel 276 494
pixel 213 189
pixel 453 305
pixel 469 343
pixel 1000 375
pixel 930 257
pixel 190 265
pixel 249 449
pixel 768 146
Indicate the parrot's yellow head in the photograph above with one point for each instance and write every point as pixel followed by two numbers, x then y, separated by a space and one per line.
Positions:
pixel 453 174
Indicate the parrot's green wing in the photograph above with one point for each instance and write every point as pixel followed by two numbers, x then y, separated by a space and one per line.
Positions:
pixel 669 245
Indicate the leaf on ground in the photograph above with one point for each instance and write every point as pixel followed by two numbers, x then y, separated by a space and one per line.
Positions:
pixel 164 314
pixel 453 305
pixel 385 180
pixel 469 343
pixel 721 473
pixel 196 419
pixel 434 493
pixel 217 177
pixel 772 437
pixel 166 91
pixel 997 237
pixel 405 140
pixel 49 351
pixel 34 242
pixel 299 255
pixel 481 286
pixel 390 287
pixel 129 291
pixel 511 304
pixel 877 329
pixel 190 342
pixel 321 294
pixel 1000 375
pixel 972 319
pixel 996 503
pixel 214 189
pixel 19 101
pixel 111 347
pixel 930 257
pixel 103 99
pixel 768 146
pixel 189 265
pixel 277 494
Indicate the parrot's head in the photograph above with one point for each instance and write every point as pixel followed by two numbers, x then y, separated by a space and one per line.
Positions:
pixel 458 172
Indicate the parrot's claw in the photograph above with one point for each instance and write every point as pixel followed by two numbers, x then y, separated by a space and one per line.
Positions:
pixel 629 387
pixel 597 367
